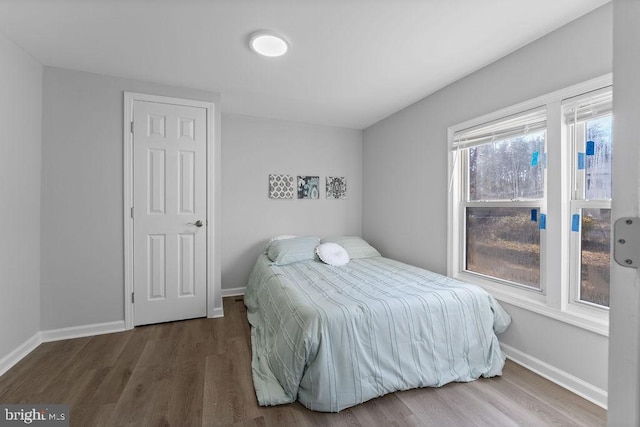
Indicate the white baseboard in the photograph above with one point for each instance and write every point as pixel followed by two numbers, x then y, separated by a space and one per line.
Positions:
pixel 40 337
pixel 82 331
pixel 233 292
pixel 564 379
pixel 8 361
pixel 217 312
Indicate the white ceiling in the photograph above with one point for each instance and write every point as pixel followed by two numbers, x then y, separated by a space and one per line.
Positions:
pixel 351 62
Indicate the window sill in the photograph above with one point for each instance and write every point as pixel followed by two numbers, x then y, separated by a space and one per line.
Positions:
pixel 591 319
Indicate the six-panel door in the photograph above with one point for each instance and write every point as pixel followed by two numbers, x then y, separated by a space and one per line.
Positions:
pixel 169 151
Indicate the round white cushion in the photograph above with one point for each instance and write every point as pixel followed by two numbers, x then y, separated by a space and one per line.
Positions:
pixel 332 254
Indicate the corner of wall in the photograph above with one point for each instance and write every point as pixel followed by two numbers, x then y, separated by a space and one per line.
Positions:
pixel 20 171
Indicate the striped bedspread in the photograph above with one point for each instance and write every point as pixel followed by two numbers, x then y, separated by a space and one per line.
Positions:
pixel 333 337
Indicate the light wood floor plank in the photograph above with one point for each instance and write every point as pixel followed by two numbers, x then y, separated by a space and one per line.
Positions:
pixel 198 373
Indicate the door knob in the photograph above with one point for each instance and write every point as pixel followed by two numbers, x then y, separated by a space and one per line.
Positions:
pixel 198 223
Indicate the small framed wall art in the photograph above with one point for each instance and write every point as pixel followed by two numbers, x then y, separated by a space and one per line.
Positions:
pixel 336 187
pixel 281 186
pixel 308 187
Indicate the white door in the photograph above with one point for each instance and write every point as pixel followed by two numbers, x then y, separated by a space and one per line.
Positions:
pixel 169 212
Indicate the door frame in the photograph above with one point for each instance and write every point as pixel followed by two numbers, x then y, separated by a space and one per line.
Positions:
pixel 213 294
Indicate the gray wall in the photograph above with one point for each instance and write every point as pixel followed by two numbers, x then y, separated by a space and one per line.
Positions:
pixel 20 118
pixel 253 148
pixel 82 194
pixel 405 170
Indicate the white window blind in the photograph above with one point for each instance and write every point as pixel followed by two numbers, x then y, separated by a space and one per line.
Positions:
pixel 588 106
pixel 497 130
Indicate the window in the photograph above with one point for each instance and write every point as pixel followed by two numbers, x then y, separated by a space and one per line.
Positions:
pixel 589 127
pixel 502 243
pixel 530 203
pixel 504 190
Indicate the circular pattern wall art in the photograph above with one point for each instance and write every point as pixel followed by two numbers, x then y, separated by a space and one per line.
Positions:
pixel 336 187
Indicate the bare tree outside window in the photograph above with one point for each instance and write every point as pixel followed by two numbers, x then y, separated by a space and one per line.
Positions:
pixel 503 170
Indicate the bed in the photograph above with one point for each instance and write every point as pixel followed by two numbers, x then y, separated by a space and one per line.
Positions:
pixel 334 336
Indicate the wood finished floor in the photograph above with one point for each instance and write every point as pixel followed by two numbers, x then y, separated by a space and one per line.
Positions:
pixel 198 373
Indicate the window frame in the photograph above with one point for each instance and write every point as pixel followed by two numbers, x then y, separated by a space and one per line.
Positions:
pixel 578 201
pixel 516 203
pixel 555 297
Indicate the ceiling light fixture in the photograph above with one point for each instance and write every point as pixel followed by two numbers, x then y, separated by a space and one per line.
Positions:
pixel 268 43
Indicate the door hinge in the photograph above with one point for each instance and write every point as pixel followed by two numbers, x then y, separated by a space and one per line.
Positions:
pixel 131 127
pixel 131 211
pixel 133 297
pixel 626 249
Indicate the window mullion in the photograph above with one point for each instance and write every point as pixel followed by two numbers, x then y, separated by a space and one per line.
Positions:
pixel 553 241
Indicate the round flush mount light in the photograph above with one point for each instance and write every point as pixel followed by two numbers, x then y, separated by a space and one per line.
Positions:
pixel 268 43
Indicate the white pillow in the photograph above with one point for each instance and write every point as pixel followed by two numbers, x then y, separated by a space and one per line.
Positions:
pixel 332 254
